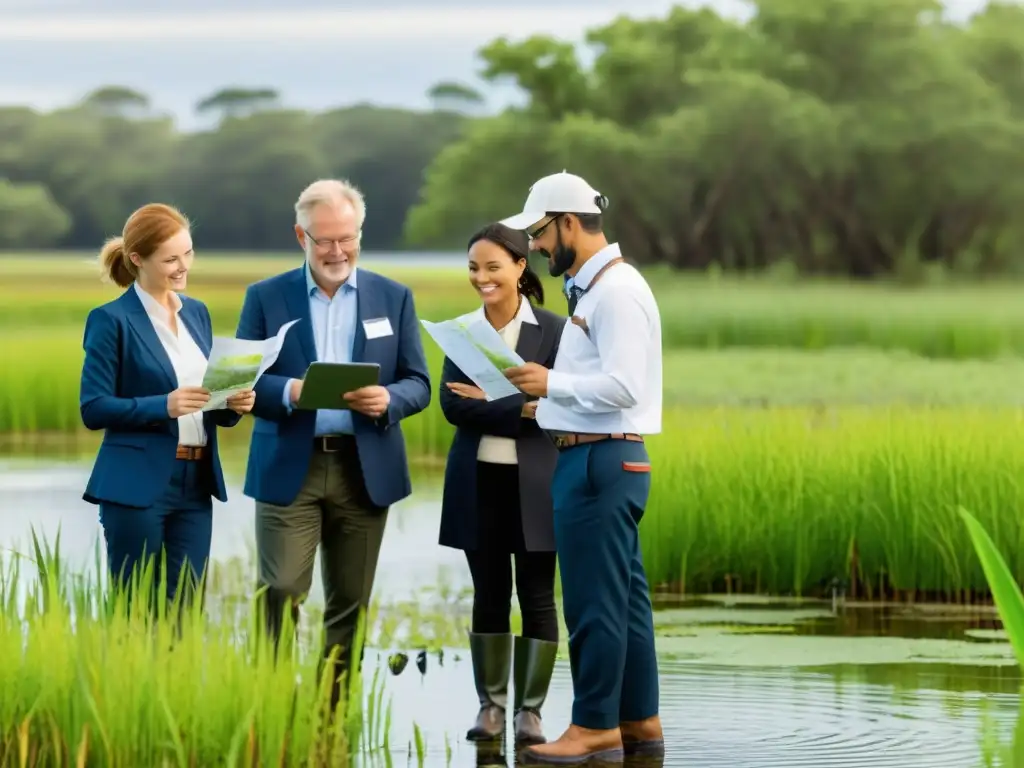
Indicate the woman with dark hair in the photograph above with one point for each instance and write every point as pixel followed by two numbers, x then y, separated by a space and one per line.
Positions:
pixel 497 494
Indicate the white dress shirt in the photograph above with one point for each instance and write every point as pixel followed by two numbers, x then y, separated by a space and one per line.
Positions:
pixel 607 379
pixel 494 449
pixel 187 358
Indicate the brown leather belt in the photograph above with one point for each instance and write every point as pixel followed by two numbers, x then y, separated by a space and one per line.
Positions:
pixel 564 440
pixel 191 452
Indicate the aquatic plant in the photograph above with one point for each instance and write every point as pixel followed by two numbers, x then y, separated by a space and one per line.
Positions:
pixel 1006 593
pixel 1009 600
pixel 90 678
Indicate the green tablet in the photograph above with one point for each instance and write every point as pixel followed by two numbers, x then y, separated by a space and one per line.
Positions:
pixel 325 383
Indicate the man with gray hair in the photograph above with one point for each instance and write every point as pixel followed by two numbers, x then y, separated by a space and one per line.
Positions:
pixel 326 479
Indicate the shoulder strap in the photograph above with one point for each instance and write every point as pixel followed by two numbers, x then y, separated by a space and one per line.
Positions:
pixel 600 272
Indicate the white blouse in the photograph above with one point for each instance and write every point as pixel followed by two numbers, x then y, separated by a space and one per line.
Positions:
pixel 187 358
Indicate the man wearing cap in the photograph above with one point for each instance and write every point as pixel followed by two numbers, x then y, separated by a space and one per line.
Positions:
pixel 602 396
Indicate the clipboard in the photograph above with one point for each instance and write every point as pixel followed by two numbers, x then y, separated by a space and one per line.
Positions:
pixel 325 383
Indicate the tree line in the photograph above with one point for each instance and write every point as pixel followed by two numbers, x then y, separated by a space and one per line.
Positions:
pixel 837 137
pixel 70 177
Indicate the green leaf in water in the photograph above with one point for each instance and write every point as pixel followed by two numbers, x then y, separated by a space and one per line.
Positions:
pixel 1007 595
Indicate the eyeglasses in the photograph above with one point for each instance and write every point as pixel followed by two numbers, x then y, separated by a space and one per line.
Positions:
pixel 342 243
pixel 540 230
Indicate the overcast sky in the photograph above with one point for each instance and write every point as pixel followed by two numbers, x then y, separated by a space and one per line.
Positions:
pixel 318 53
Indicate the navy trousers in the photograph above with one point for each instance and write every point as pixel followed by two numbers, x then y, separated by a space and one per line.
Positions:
pixel 179 526
pixel 600 491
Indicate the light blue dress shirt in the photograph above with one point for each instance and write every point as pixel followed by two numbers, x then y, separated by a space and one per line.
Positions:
pixel 334 332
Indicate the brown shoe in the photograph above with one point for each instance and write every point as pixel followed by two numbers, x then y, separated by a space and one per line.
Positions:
pixel 492 662
pixel 533 664
pixel 643 737
pixel 576 746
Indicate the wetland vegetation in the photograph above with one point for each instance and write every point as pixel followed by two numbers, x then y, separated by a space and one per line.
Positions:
pixel 821 471
pixel 820 437
pixel 822 467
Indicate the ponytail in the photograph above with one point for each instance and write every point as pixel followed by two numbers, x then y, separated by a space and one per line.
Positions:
pixel 530 285
pixel 115 264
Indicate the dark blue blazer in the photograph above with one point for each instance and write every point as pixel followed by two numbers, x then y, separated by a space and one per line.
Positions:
pixel 126 379
pixel 282 443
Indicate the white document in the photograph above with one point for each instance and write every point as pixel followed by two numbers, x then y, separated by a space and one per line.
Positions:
pixel 236 365
pixel 479 352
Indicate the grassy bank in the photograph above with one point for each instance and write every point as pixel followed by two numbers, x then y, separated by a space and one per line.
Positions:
pixel 956 322
pixel 39 388
pixel 39 382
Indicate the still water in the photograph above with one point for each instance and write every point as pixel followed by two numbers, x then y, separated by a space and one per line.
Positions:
pixel 756 684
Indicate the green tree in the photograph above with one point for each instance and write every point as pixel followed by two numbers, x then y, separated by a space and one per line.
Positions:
pixel 857 137
pixel 384 152
pixel 238 102
pixel 29 217
pixel 117 100
pixel 237 181
pixel 456 97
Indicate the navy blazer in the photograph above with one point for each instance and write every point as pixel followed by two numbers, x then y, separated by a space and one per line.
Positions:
pixel 282 443
pixel 537 455
pixel 126 380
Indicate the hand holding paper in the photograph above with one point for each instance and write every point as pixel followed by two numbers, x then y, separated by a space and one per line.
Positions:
pixel 479 352
pixel 242 402
pixel 467 390
pixel 236 365
pixel 530 378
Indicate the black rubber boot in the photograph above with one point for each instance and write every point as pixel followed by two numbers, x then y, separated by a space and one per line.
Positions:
pixel 492 662
pixel 534 664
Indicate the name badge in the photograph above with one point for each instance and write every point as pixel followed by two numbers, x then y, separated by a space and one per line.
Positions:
pixel 377 328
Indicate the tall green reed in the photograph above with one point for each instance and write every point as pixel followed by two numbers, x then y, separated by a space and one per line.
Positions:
pixel 1009 601
pixel 789 500
pixel 91 677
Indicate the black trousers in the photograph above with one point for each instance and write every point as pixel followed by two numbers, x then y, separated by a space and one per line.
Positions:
pixel 500 543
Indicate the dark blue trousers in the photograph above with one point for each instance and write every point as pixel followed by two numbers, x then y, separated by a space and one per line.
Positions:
pixel 600 491
pixel 179 525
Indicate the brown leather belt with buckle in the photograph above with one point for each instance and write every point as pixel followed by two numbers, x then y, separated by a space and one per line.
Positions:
pixel 191 452
pixel 563 440
pixel 333 443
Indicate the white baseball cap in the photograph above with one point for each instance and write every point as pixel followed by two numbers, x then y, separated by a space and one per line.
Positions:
pixel 558 193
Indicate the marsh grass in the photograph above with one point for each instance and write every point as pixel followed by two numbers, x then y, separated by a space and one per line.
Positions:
pixel 700 312
pixel 39 389
pixel 803 500
pixel 92 678
pixel 796 501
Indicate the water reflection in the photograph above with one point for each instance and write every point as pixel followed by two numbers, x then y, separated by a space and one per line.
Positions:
pixel 48 498
pixel 749 706
pixel 718 717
